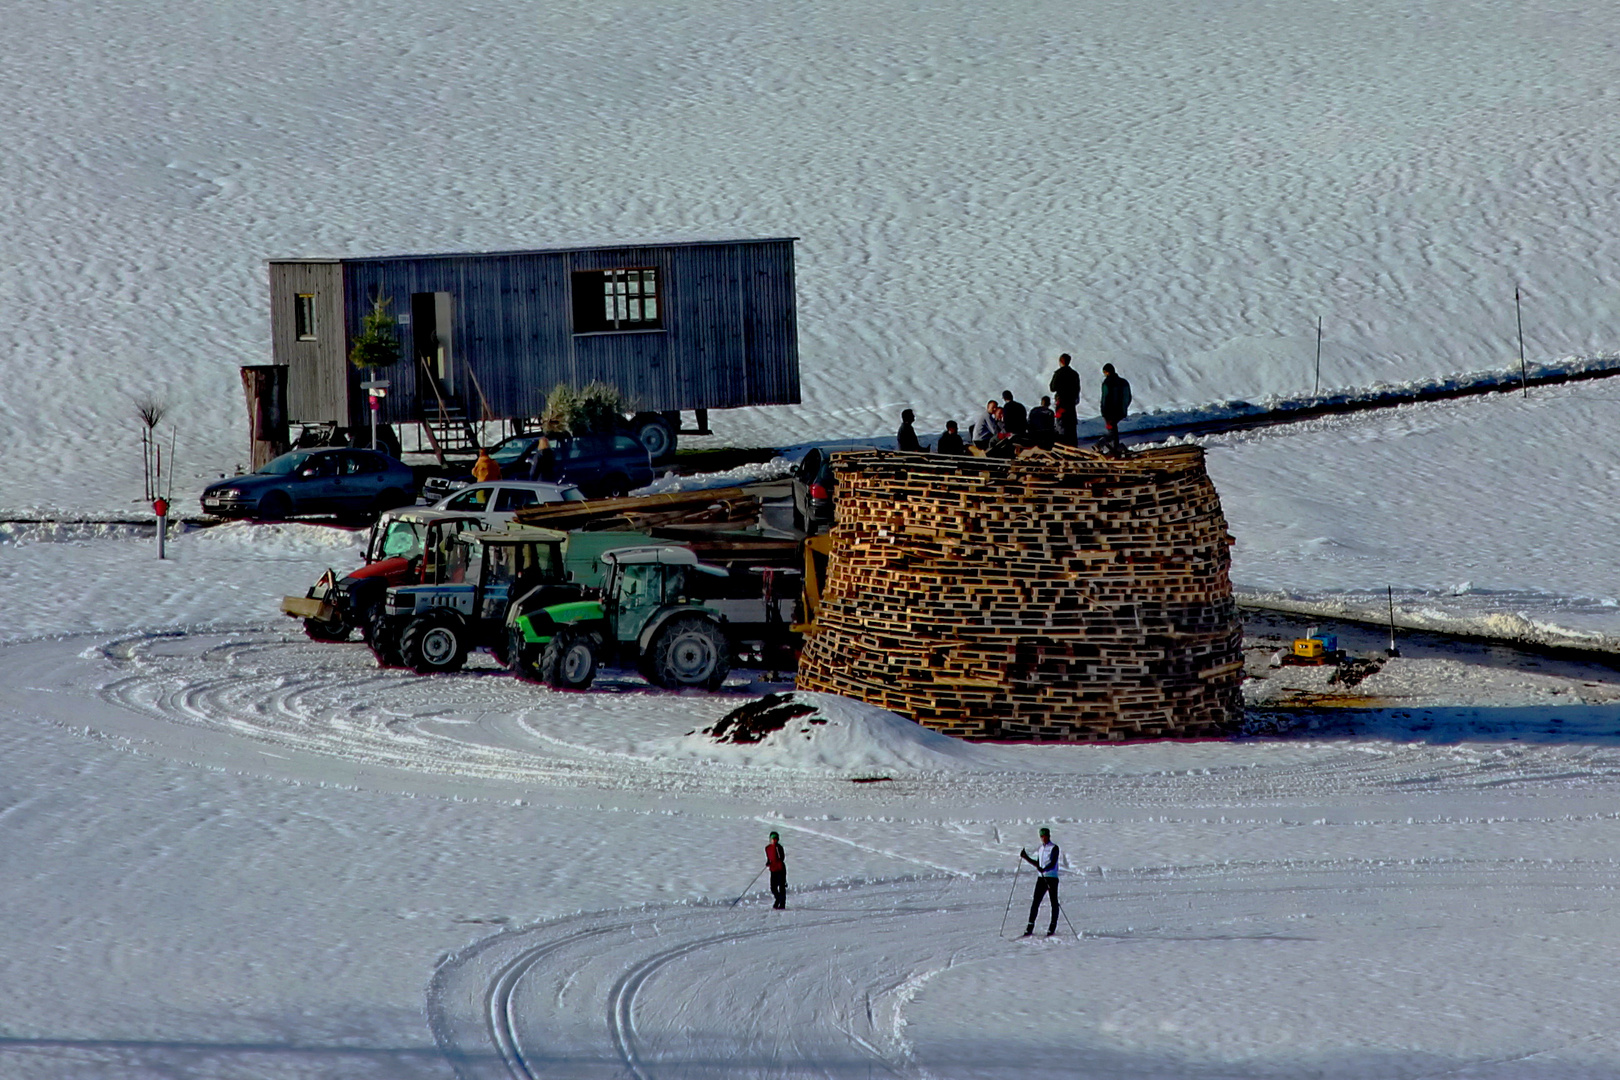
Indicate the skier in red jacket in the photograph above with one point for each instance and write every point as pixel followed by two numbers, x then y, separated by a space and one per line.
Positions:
pixel 776 860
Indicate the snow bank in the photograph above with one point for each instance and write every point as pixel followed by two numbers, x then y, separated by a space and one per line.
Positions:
pixel 822 732
pixel 775 469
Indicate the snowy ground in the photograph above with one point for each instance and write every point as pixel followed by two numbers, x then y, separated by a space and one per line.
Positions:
pixel 239 853
pixel 231 853
pixel 1180 188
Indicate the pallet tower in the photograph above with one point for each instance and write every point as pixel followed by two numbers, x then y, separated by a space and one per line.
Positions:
pixel 1061 596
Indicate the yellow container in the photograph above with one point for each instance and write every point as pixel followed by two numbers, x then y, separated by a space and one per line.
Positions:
pixel 1309 648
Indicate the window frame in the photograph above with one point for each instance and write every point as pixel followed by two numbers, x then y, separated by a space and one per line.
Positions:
pixel 304 323
pixel 589 319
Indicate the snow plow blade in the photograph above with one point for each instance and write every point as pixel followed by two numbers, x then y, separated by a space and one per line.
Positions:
pixel 306 607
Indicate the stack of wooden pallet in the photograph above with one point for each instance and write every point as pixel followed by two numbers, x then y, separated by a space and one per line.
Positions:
pixel 1060 596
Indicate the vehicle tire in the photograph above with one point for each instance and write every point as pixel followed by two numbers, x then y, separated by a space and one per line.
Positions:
pixel 568 661
pixel 319 630
pixel 655 433
pixel 384 644
pixel 690 650
pixel 274 507
pixel 433 642
pixel 615 486
pixel 522 656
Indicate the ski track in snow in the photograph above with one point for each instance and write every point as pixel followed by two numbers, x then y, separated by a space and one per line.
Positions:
pixel 1253 908
pixel 865 980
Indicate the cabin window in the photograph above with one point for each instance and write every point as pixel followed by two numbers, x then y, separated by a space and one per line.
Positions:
pixel 304 316
pixel 607 300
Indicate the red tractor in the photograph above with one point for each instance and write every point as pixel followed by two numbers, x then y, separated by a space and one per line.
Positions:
pixel 334 607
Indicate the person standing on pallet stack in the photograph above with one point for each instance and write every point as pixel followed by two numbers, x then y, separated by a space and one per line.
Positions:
pixel 1014 417
pixel 1115 403
pixel 950 441
pixel 906 438
pixel 987 428
pixel 1065 387
pixel 1043 424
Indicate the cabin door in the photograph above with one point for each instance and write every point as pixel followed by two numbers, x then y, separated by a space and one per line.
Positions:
pixel 431 323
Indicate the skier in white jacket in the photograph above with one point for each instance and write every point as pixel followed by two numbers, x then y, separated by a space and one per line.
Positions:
pixel 1045 862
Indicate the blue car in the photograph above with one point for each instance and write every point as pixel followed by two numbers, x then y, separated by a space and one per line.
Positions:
pixel 351 484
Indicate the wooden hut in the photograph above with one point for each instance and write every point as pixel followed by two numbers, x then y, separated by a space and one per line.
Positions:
pixel 676 327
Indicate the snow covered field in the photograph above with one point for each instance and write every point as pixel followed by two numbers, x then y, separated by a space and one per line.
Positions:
pixel 229 852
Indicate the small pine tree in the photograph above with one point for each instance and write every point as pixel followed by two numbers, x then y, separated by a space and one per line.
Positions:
pixel 377 344
pixel 595 410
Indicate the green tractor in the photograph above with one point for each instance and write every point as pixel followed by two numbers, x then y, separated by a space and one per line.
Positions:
pixel 468 587
pixel 675 619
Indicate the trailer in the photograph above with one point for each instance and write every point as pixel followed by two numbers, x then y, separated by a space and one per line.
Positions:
pixel 678 328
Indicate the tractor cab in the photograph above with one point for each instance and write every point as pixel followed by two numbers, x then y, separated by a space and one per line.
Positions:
pixel 396 553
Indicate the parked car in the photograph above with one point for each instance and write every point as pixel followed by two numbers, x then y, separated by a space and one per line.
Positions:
pixel 603 466
pixel 496 501
pixel 511 454
pixel 813 488
pixel 599 465
pixel 347 482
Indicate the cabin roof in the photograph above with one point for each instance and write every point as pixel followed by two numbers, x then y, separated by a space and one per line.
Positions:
pixel 539 251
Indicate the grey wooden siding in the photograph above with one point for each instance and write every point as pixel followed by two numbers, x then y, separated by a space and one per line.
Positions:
pixel 729 335
pixel 318 374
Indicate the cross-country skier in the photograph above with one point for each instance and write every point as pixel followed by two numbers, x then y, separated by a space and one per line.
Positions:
pixel 1045 862
pixel 776 860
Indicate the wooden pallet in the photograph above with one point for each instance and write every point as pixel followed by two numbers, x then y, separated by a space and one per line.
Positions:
pixel 1059 596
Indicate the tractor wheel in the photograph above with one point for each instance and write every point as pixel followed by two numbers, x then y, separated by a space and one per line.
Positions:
pixel 433 642
pixel 522 656
pixel 656 434
pixel 384 645
pixel 319 630
pixel 568 661
pixel 690 651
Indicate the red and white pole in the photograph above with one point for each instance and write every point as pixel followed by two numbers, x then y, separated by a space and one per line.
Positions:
pixel 160 507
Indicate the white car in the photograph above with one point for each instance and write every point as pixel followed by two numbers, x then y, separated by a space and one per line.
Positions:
pixel 497 500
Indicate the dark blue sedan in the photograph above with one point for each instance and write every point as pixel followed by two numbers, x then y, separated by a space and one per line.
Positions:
pixel 351 484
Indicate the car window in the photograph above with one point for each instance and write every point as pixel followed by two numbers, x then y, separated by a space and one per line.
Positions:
pixel 627 445
pixel 324 465
pixel 362 464
pixel 511 499
pixel 285 465
pixel 473 499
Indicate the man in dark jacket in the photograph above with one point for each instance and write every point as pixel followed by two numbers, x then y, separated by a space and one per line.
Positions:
pixel 1045 862
pixel 1065 387
pixel 950 442
pixel 907 436
pixel 1043 425
pixel 776 862
pixel 1114 404
pixel 1013 415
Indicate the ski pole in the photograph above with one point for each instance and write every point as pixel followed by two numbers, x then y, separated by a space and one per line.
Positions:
pixel 1064 912
pixel 1019 865
pixel 750 885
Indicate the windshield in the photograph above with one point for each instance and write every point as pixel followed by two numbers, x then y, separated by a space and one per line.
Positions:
pixel 403 540
pixel 511 449
pixel 285 465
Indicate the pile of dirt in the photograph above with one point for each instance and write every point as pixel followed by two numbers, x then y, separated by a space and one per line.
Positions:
pixel 750 723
